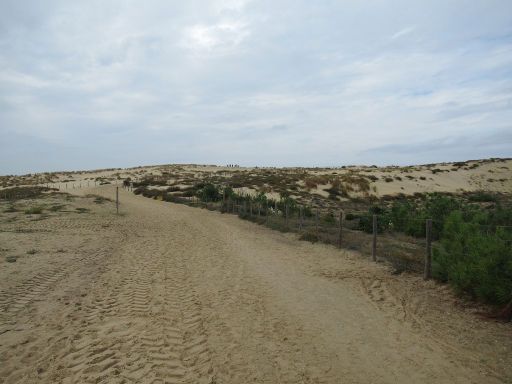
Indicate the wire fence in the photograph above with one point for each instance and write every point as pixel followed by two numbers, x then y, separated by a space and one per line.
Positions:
pixel 404 252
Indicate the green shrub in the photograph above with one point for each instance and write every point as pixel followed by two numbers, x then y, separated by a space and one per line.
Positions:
pixel 366 220
pixel 482 197
pixel 329 218
pixel 208 192
pixel 34 210
pixel 474 261
pixel 10 209
pixel 56 207
pixel 309 236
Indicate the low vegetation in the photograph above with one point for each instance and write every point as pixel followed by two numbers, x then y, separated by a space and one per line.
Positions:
pixel 34 210
pixel 26 192
pixel 473 252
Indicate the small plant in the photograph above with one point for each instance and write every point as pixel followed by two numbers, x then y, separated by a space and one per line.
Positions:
pixel 351 216
pixel 82 210
pixel 32 251
pixel 10 209
pixel 34 211
pixel 482 196
pixel 309 236
pixel 56 208
pixel 388 179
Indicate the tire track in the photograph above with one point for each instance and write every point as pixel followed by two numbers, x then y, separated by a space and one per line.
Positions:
pixel 147 329
pixel 37 287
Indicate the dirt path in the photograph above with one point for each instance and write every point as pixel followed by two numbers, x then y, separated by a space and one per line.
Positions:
pixel 171 294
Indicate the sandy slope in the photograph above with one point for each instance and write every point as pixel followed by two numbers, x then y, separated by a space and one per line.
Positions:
pixel 171 294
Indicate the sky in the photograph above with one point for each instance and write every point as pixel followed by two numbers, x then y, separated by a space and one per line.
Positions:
pixel 101 84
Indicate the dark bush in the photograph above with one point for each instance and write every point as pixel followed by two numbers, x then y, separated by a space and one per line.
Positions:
pixel 309 236
pixel 351 216
pixel 208 192
pixel 482 197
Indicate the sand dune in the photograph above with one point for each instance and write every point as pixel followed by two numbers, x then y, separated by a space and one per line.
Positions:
pixel 490 175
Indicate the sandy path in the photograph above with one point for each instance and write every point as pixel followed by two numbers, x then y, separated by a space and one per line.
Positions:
pixel 171 294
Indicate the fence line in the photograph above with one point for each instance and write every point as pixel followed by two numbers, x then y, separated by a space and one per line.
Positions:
pixel 404 252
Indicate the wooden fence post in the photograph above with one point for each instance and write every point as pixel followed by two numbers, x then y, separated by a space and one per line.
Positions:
pixel 316 221
pixel 374 242
pixel 300 218
pixel 340 229
pixel 428 256
pixel 117 200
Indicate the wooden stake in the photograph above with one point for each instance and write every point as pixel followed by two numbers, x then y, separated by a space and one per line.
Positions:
pixel 300 218
pixel 427 274
pixel 117 200
pixel 340 229
pixel 374 242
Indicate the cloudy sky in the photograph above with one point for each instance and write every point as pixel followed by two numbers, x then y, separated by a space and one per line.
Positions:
pixel 95 84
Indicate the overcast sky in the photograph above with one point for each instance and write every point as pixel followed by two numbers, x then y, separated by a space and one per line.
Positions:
pixel 97 84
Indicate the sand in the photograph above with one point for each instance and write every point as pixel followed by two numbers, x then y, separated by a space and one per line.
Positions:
pixel 165 293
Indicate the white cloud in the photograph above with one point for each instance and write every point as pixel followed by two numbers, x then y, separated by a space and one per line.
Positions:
pixel 403 32
pixel 220 38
